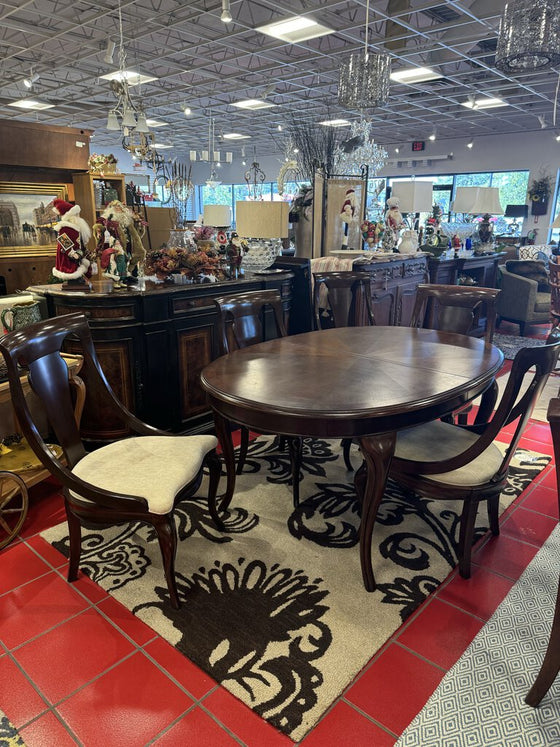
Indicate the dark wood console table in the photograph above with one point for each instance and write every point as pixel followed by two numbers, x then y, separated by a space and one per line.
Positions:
pixel 152 345
pixel 482 270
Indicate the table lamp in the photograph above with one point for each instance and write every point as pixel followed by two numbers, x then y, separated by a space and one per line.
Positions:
pixel 483 201
pixel 414 197
pixel 515 212
pixel 218 216
pixel 263 225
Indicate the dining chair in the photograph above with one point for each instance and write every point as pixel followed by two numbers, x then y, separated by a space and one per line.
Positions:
pixel 554 282
pixel 446 462
pixel 136 479
pixel 342 299
pixel 551 663
pixel 244 320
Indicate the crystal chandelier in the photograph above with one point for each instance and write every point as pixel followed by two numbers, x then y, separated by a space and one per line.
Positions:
pixel 211 155
pixel 364 79
pixel 529 36
pixel 254 178
pixel 360 150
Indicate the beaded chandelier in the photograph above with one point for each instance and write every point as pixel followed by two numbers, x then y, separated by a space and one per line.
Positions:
pixel 360 150
pixel 529 36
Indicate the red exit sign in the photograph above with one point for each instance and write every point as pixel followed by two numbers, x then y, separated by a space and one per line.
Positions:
pixel 418 145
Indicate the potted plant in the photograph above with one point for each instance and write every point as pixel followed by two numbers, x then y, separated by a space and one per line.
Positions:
pixel 539 193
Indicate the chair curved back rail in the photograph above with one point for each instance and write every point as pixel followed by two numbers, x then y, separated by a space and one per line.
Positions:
pixel 455 308
pixel 99 494
pixel 242 319
pixel 554 282
pixel 345 299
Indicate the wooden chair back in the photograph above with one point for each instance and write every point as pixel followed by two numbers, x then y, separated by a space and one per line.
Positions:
pixel 342 299
pixel 554 282
pixel 455 308
pixel 243 319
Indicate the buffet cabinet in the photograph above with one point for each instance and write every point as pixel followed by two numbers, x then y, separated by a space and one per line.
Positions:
pixel 393 286
pixel 480 271
pixel 152 346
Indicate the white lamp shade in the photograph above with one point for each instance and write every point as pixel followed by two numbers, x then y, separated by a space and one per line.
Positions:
pixel 477 201
pixel 112 121
pixel 217 215
pixel 414 196
pixel 128 120
pixel 262 220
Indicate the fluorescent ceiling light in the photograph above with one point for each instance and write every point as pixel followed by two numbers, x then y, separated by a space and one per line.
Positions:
pixel 131 77
pixel 414 75
pixel 335 123
pixel 486 103
pixel 156 123
pixel 295 29
pixel 235 136
pixel 31 104
pixel 160 146
pixel 252 104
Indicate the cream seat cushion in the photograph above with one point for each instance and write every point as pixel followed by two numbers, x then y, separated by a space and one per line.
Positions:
pixel 152 467
pixel 436 441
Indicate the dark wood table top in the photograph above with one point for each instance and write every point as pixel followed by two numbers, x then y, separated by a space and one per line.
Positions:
pixel 351 381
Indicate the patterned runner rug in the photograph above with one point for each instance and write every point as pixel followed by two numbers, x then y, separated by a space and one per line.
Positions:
pixel 275 608
pixel 511 344
pixel 9 736
pixel 480 701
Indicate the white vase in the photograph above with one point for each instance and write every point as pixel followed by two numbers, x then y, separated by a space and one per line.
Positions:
pixel 409 242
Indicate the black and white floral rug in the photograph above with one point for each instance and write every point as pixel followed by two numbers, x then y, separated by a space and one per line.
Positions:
pixel 275 608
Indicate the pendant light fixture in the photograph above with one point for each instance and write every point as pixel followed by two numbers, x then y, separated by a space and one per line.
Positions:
pixel 364 78
pixel 529 36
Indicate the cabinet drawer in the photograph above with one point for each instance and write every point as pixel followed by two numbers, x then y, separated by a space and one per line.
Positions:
pixel 124 313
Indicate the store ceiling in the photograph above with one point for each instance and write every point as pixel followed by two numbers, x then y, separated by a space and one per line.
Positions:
pixel 205 64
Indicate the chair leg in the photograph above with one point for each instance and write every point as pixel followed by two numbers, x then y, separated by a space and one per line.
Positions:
pixel 466 534
pixel 493 514
pixel 522 329
pixel 214 464
pixel 551 664
pixel 295 445
pixel 346 444
pixel 243 448
pixel 75 532
pixel 167 538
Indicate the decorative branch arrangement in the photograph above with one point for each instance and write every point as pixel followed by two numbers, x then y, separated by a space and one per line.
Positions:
pixel 313 146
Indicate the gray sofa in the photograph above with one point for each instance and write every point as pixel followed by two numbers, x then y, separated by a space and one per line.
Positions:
pixel 525 296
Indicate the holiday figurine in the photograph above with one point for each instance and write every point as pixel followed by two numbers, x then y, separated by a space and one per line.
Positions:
pixel 117 221
pixel 113 259
pixel 393 224
pixel 348 214
pixel 73 233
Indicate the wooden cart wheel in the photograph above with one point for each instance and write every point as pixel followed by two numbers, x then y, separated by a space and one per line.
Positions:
pixel 14 502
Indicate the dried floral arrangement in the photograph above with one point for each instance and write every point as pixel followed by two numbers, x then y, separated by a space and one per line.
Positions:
pixel 541 187
pixel 168 261
pixel 100 162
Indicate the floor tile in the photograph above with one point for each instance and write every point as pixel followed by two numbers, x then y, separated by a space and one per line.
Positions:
pixel 536 431
pixel 20 700
pixel 87 587
pixel 543 500
pixel 528 526
pixel 193 679
pixel 196 728
pixel 505 555
pixel 19 565
pixel 34 608
pixel 243 722
pixel 380 690
pixel 128 706
pixel 344 726
pixel 47 731
pixel 440 633
pixel 548 479
pixel 46 551
pixel 538 446
pixel 126 621
pixel 480 594
pixel 50 659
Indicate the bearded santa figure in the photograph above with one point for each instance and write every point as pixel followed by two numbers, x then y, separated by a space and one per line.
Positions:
pixel 73 233
pixel 116 223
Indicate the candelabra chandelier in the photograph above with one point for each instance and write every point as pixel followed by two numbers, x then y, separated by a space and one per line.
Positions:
pixel 360 150
pixel 254 178
pixel 529 36
pixel 211 155
pixel 364 78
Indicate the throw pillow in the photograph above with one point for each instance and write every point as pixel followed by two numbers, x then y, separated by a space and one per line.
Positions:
pixel 530 268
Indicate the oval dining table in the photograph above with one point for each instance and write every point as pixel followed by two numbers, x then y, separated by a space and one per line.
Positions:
pixel 364 383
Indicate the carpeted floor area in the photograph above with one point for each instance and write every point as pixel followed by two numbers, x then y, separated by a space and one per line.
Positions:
pixel 275 608
pixel 511 344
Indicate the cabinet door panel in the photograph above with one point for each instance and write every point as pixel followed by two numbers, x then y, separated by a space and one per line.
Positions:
pixel 384 306
pixel 194 348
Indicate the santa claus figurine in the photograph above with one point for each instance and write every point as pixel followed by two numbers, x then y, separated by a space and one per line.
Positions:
pixel 73 233
pixel 119 222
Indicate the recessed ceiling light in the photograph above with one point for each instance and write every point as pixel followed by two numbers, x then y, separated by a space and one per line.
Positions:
pixel 235 136
pixel 31 104
pixel 156 123
pixel 160 146
pixel 414 75
pixel 485 103
pixel 131 77
pixel 252 104
pixel 335 123
pixel 295 29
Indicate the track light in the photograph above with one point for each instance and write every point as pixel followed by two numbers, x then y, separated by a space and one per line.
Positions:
pixel 28 82
pixel 470 144
pixel 226 12
pixel 432 137
pixel 109 52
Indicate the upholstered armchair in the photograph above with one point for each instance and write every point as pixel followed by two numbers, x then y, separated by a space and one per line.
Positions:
pixel 525 296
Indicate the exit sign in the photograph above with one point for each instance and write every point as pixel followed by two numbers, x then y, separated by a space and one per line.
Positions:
pixel 418 145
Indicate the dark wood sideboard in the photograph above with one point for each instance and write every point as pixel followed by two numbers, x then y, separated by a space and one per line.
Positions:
pixel 482 270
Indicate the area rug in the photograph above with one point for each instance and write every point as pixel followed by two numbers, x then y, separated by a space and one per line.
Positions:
pixel 511 344
pixel 9 736
pixel 480 701
pixel 275 608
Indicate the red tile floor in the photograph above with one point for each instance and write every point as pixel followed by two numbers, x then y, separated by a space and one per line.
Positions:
pixel 78 668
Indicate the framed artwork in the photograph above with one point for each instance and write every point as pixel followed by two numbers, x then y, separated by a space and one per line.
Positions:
pixel 27 218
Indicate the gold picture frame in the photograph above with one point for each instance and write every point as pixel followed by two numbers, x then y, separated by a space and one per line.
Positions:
pixel 26 220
